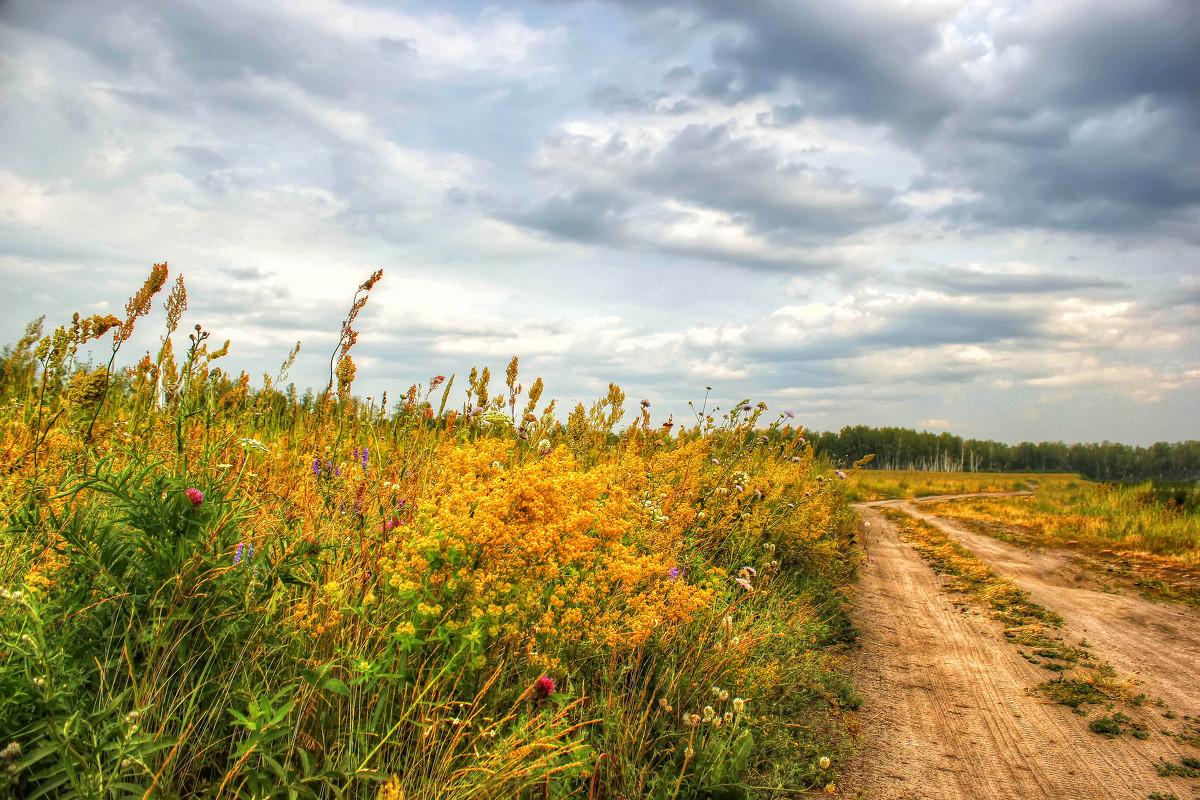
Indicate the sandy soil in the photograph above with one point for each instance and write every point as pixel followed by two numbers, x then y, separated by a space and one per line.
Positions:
pixel 947 713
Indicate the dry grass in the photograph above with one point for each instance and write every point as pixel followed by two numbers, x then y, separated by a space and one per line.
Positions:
pixel 881 484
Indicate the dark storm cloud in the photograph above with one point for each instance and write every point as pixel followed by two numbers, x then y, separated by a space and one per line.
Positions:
pixel 706 166
pixel 923 325
pixel 974 282
pixel 709 165
pixel 585 216
pixel 1082 117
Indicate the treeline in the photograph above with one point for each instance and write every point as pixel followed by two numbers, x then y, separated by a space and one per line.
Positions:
pixel 904 448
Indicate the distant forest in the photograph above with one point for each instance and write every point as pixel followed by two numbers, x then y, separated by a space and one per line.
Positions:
pixel 904 448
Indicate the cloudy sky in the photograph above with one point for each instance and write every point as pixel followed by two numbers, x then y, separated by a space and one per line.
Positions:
pixel 981 217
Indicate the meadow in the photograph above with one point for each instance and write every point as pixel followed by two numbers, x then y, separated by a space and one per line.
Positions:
pixel 891 484
pixel 1148 532
pixel 213 589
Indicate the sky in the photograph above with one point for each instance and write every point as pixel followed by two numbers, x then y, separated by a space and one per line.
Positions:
pixel 978 217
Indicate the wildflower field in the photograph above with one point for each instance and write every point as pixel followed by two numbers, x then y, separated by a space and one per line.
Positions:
pixel 215 589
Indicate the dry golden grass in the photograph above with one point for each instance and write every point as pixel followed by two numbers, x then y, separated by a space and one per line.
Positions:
pixel 886 484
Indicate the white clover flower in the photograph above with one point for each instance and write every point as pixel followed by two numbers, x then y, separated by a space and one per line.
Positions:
pixel 824 762
pixel 739 705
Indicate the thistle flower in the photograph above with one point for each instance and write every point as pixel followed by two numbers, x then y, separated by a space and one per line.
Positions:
pixel 196 496
pixel 645 403
pixel 789 415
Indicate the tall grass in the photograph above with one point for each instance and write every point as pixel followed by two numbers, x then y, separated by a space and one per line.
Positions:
pixel 868 485
pixel 214 590
pixel 1139 518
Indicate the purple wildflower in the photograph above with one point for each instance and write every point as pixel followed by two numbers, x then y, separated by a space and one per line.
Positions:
pixel 747 407
pixel 365 455
pixel 789 415
pixel 356 454
pixel 544 687
pixel 196 496
pixel 243 549
pixel 316 467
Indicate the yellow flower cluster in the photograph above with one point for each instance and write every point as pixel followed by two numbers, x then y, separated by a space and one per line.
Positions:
pixel 539 553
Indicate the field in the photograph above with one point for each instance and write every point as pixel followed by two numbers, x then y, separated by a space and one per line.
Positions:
pixel 1147 533
pixel 886 484
pixel 214 590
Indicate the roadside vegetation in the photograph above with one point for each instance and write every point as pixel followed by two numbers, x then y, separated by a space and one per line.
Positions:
pixel 212 589
pixel 882 484
pixel 1148 533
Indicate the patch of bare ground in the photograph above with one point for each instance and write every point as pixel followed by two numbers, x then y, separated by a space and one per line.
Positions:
pixel 948 711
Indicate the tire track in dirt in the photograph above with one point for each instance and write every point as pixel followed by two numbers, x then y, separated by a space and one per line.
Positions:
pixel 946 714
pixel 1158 641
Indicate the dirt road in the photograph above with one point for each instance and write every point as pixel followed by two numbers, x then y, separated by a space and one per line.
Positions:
pixel 946 711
